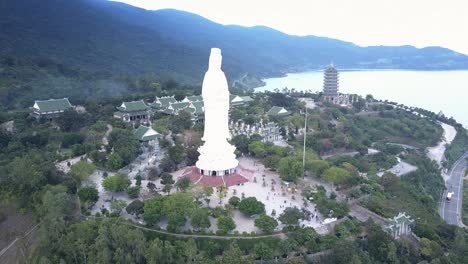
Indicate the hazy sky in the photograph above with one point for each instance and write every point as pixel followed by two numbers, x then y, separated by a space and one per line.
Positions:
pixel 365 22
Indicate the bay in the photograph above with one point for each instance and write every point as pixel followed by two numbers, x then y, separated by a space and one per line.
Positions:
pixel 445 91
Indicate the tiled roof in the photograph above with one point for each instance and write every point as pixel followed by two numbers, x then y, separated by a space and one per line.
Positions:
pixel 239 100
pixel 199 107
pixel 155 105
pixel 52 105
pixel 168 111
pixel 278 111
pixel 179 106
pixel 247 98
pixel 119 114
pixel 195 98
pixel 166 101
pixel 133 106
pixel 144 133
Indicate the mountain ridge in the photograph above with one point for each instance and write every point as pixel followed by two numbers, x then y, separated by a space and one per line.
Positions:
pixel 105 39
pixel 128 39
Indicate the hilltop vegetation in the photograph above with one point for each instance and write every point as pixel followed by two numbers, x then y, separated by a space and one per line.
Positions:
pixel 30 180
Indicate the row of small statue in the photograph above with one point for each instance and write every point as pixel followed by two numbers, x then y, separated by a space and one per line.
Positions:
pixel 258 128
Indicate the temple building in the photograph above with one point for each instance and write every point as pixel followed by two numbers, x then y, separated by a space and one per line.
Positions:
pixel 217 156
pixel 330 84
pixel 278 111
pixel 236 100
pixel 51 108
pixel 193 104
pixel 170 106
pixel 146 134
pixel 133 111
pixel 163 102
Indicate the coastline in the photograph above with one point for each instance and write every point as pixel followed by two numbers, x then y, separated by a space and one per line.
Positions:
pixel 429 90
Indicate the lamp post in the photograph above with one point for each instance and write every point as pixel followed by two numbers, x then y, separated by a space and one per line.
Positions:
pixel 305 136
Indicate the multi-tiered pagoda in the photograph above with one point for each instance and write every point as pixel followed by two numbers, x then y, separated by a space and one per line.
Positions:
pixel 330 84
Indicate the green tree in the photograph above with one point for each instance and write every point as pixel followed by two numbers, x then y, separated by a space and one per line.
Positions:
pixel 297 121
pixel 242 143
pixel 114 161
pixel 222 192
pixel 70 120
pixel 25 175
pixel 135 208
pixel 116 183
pixel 88 195
pixel 153 209
pixel 263 251
pixel 183 183
pixel 234 201
pixel 287 246
pixel 290 169
pixel 138 179
pixel 266 223
pixel 176 153
pixel 181 122
pixel 177 207
pixel 233 255
pixel 200 218
pixel 317 167
pixel 155 252
pixel 430 249
pixel 336 175
pixel 207 192
pixel 258 149
pixel 133 191
pixel 167 165
pixel 251 206
pixel 81 170
pixel 225 224
pixel 291 216
pixel 166 178
pixel 56 205
pixel 117 206
pixel 124 144
pixel 167 188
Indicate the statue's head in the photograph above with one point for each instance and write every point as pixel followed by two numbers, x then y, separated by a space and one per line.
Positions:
pixel 215 59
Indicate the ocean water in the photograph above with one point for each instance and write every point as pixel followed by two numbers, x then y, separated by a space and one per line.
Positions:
pixel 445 91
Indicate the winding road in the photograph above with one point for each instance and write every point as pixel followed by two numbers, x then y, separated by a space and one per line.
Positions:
pixel 450 211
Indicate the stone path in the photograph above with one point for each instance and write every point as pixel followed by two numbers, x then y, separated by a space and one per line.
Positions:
pixel 273 193
pixel 139 166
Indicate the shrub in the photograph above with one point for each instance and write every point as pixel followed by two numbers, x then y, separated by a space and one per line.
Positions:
pixel 250 206
pixel 116 183
pixel 133 192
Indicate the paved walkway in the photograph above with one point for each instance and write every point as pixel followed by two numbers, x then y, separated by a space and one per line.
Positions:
pixel 104 139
